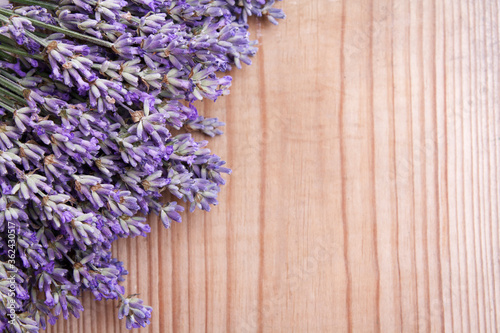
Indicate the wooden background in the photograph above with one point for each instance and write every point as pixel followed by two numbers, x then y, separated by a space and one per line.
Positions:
pixel 364 143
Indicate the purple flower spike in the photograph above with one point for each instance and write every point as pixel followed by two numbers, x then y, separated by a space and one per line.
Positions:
pixel 136 314
pixel 91 94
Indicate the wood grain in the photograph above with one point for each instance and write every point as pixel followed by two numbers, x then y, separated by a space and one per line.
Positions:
pixel 365 148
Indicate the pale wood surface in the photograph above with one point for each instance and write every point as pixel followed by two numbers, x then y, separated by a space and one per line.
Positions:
pixel 364 143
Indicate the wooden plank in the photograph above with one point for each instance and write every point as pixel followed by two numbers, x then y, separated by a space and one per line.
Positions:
pixel 364 142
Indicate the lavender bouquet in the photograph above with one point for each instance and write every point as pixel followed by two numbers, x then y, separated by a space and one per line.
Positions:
pixel 91 93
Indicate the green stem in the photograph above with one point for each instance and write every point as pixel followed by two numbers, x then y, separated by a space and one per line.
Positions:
pixel 13 96
pixel 135 19
pixel 40 40
pixel 94 268
pixel 54 28
pixel 20 52
pixel 11 85
pixel 7 40
pixel 7 57
pixel 7 107
pixel 70 260
pixel 78 98
pixel 47 5
pixel 9 76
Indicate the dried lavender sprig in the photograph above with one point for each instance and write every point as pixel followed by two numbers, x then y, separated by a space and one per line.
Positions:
pixel 136 156
pixel 7 13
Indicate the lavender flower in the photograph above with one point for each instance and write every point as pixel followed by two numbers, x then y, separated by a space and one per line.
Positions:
pixel 136 314
pixel 90 92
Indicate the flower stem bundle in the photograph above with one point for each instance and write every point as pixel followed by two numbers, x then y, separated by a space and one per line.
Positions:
pixel 91 93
